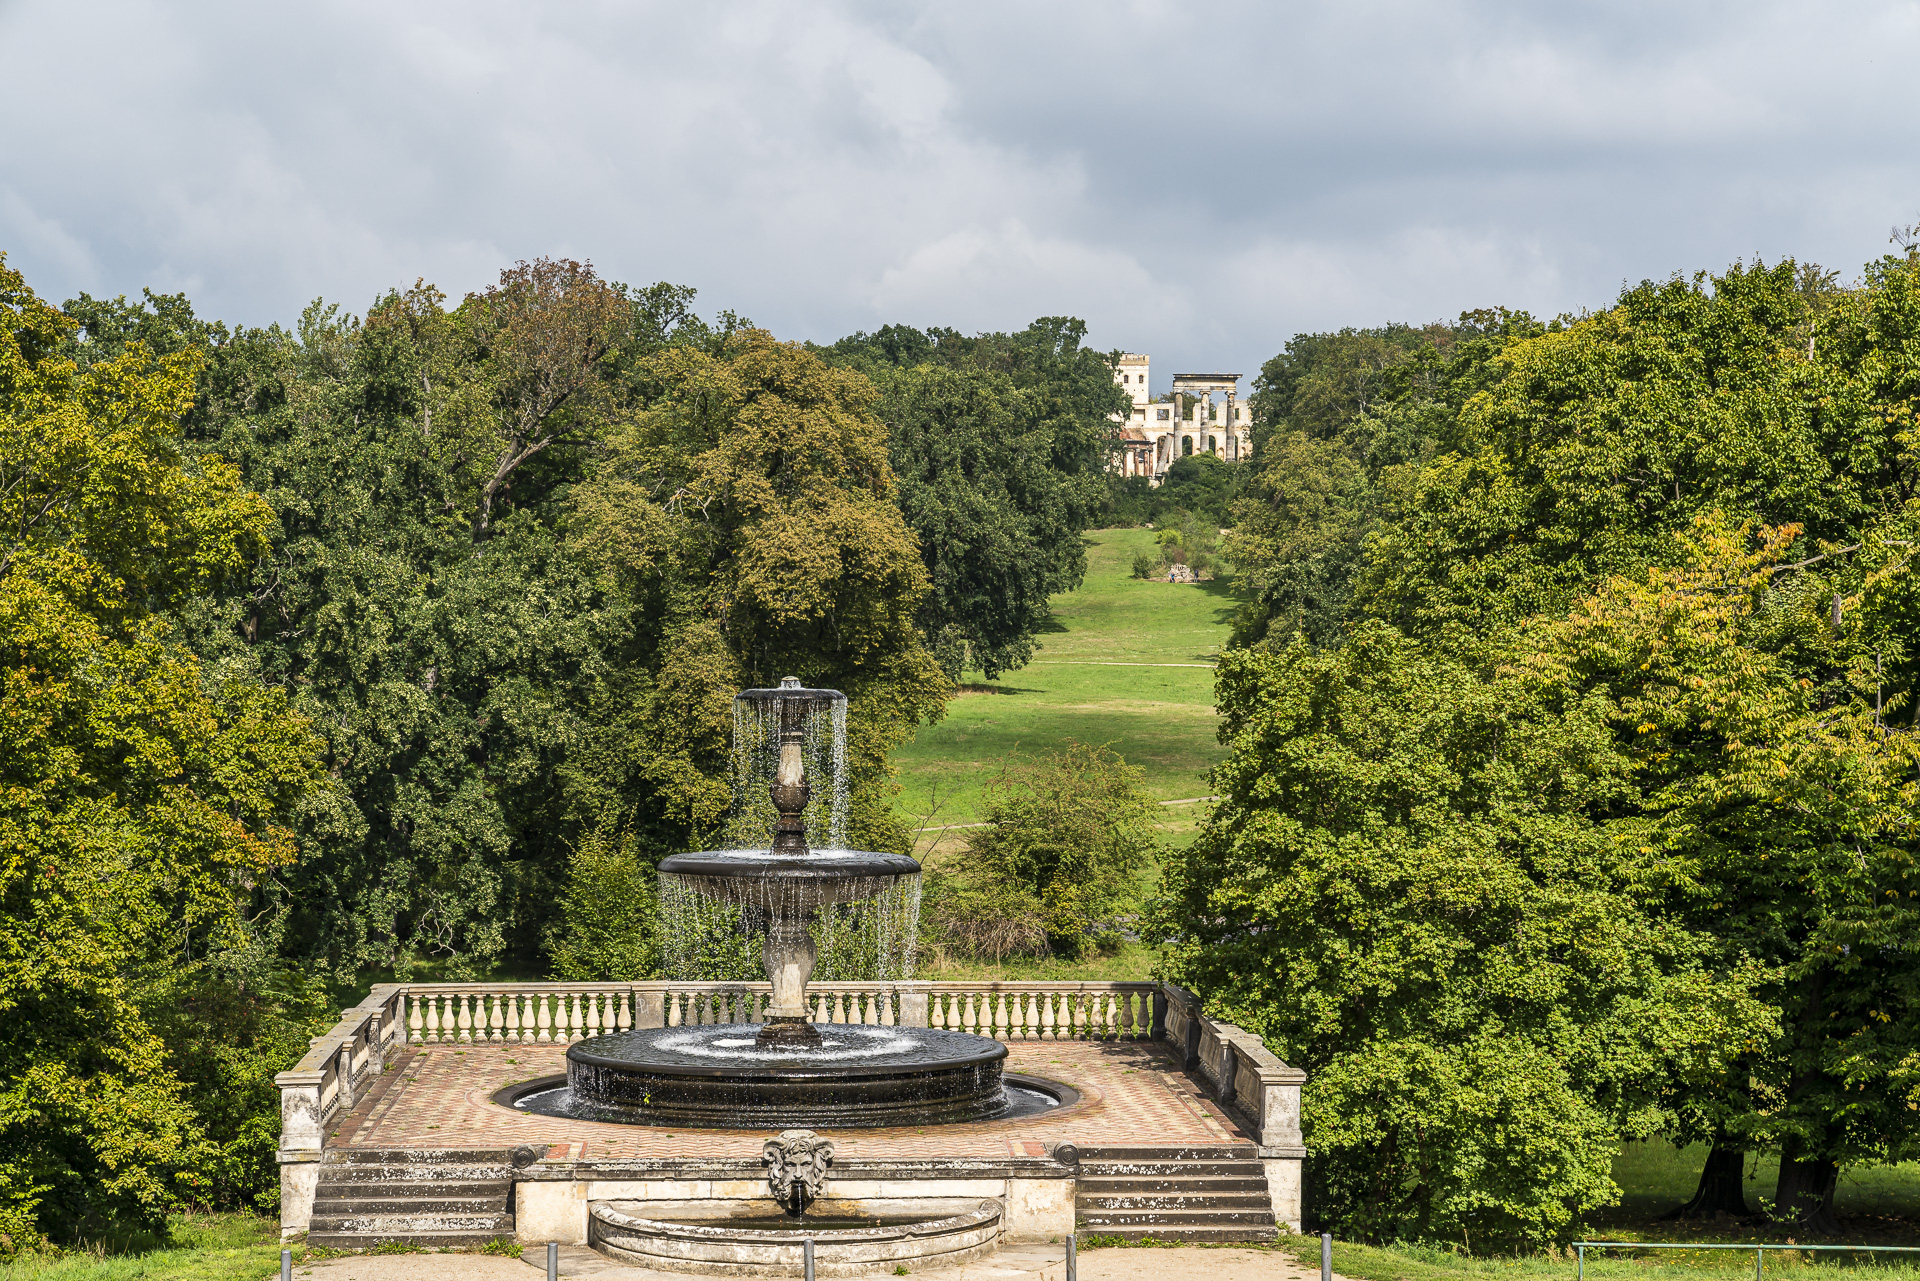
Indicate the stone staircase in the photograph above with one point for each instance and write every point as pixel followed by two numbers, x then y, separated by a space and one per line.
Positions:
pixel 1174 1194
pixel 443 1197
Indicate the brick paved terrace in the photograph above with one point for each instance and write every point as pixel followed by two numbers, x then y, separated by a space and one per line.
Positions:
pixel 1131 1093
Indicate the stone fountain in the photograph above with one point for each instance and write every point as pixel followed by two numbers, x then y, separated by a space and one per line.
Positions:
pixel 785 1070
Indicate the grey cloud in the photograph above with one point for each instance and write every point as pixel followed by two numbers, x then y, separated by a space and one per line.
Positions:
pixel 1198 181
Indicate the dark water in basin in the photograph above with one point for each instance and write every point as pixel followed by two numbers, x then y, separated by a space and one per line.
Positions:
pixel 1022 1101
pixel 804 1224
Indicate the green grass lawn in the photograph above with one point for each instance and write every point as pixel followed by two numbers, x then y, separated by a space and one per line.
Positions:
pixel 1128 663
pixel 219 1247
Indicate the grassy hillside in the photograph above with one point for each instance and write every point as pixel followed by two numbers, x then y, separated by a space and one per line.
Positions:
pixel 1128 663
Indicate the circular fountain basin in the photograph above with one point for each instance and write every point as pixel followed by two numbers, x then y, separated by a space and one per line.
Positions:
pixel 753 1238
pixel 795 882
pixel 718 1076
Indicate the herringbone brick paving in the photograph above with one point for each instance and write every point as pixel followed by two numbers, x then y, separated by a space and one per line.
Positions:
pixel 1131 1094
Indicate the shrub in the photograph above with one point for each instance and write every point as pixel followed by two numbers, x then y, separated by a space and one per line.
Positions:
pixel 1067 835
pixel 609 915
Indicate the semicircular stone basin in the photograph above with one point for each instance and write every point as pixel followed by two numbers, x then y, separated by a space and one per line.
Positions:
pixel 719 1076
pixel 850 1238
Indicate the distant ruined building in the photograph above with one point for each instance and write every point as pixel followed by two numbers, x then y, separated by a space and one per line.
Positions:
pixel 1189 421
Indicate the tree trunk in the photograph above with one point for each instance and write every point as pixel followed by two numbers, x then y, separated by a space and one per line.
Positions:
pixel 1804 1196
pixel 1721 1190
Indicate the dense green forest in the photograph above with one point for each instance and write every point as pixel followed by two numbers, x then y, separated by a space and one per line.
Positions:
pixel 1570 793
pixel 385 642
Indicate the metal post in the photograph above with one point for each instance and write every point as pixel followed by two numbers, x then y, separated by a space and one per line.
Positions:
pixel 286 1265
pixel 1758 1254
pixel 806 1257
pixel 1073 1257
pixel 553 1261
pixel 1580 1269
pixel 1326 1256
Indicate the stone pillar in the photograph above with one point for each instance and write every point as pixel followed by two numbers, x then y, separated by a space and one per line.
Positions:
pixel 550 1211
pixel 300 1142
pixel 913 1003
pixel 649 1006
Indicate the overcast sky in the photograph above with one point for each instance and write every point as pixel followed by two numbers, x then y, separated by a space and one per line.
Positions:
pixel 1197 181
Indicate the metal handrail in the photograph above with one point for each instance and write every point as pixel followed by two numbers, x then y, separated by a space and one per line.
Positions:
pixel 1759 1250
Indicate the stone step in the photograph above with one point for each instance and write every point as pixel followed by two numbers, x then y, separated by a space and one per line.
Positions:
pixel 439 1185
pixel 429 1239
pixel 415 1174
pixel 454 1204
pixel 1174 1218
pixel 417 1156
pixel 1173 1170
pixel 1204 1152
pixel 1195 1236
pixel 385 1226
pixel 1229 1201
pixel 1107 1185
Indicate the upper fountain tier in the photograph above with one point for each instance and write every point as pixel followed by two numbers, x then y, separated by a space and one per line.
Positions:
pixel 785 738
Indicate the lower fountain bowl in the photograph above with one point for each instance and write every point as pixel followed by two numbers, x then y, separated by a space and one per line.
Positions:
pixel 851 1238
pixel 718 1076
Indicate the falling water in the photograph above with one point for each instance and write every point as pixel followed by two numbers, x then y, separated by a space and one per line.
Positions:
pixel 756 759
pixel 708 939
pixel 709 935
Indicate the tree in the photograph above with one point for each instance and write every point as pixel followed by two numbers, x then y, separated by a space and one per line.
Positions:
pixel 145 798
pixel 1405 891
pixel 1767 781
pixel 1344 425
pixel 749 516
pixel 1066 836
pixel 1000 443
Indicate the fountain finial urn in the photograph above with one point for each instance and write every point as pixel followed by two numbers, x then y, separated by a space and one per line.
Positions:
pixel 790 790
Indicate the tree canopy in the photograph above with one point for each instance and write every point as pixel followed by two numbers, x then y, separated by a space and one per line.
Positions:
pixel 1627 593
pixel 1001 444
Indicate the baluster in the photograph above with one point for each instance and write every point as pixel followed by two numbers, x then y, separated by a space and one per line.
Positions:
pixel 1046 1029
pixel 540 1019
pixel 413 1023
pixel 976 1011
pixel 1127 1018
pixel 592 1008
pixel 887 1013
pixel 514 1020
pixel 489 1016
pixel 433 1019
pixel 463 1002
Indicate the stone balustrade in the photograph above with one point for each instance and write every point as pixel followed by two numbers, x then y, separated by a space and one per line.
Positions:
pixel 1250 1082
pixel 547 1013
